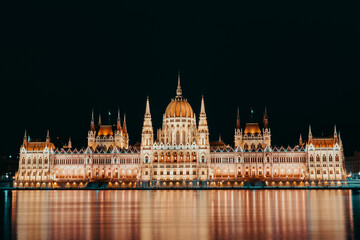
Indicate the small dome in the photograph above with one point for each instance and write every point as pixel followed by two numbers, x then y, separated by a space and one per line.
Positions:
pixel 252 128
pixel 179 108
pixel 105 130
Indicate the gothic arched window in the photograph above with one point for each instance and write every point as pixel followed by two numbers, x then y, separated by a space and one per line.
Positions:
pixel 177 138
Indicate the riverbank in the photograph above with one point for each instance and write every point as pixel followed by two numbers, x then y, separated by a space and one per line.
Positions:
pixel 191 185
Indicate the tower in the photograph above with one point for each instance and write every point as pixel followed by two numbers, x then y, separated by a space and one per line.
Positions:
pixel 118 131
pixel 238 131
pixel 125 138
pixel 203 129
pixel 92 131
pixel 147 135
pixel 266 130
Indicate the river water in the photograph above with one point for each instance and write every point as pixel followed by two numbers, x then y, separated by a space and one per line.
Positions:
pixel 180 214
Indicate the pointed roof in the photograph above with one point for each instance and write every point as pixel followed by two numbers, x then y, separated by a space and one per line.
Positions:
pixel 47 137
pixel 118 123
pixel 99 119
pixel 92 124
pixel 202 109
pixel 238 119
pixel 178 90
pixel 266 119
pixel 147 109
pixel 124 125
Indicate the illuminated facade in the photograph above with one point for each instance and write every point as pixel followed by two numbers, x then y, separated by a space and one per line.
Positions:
pixel 181 154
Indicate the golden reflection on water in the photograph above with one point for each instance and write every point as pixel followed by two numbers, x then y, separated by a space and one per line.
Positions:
pixel 175 214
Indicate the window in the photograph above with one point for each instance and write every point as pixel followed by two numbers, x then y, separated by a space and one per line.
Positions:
pixel 311 158
pixel 337 158
pixel 324 158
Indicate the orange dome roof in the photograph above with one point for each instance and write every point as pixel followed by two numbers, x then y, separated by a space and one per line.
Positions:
pixel 252 128
pixel 179 108
pixel 105 130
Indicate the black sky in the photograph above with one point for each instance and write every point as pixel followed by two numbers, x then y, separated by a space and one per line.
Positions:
pixel 58 61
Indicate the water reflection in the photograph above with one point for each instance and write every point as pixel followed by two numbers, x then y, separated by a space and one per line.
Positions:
pixel 226 214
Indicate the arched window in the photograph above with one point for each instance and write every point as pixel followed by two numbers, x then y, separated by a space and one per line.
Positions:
pixel 330 158
pixel 337 158
pixel 34 161
pixel 203 158
pixel 311 158
pixel 146 159
pixel 324 158
pixel 175 157
pixel 317 158
pixel 177 138
pixel 23 161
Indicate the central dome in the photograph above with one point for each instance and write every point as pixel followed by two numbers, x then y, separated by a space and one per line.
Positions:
pixel 179 108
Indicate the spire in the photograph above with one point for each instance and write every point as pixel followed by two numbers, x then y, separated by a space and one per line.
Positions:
pixel 202 109
pixel 92 124
pixel 147 110
pixel 47 137
pixel 310 134
pixel 238 119
pixel 300 141
pixel 99 119
pixel 178 90
pixel 219 137
pixel 118 123
pixel 266 119
pixel 69 143
pixel 124 125
pixel 25 140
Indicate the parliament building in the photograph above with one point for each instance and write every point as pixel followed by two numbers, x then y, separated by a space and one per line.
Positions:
pixel 181 155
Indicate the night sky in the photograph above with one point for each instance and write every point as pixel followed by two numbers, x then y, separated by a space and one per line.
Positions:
pixel 58 61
